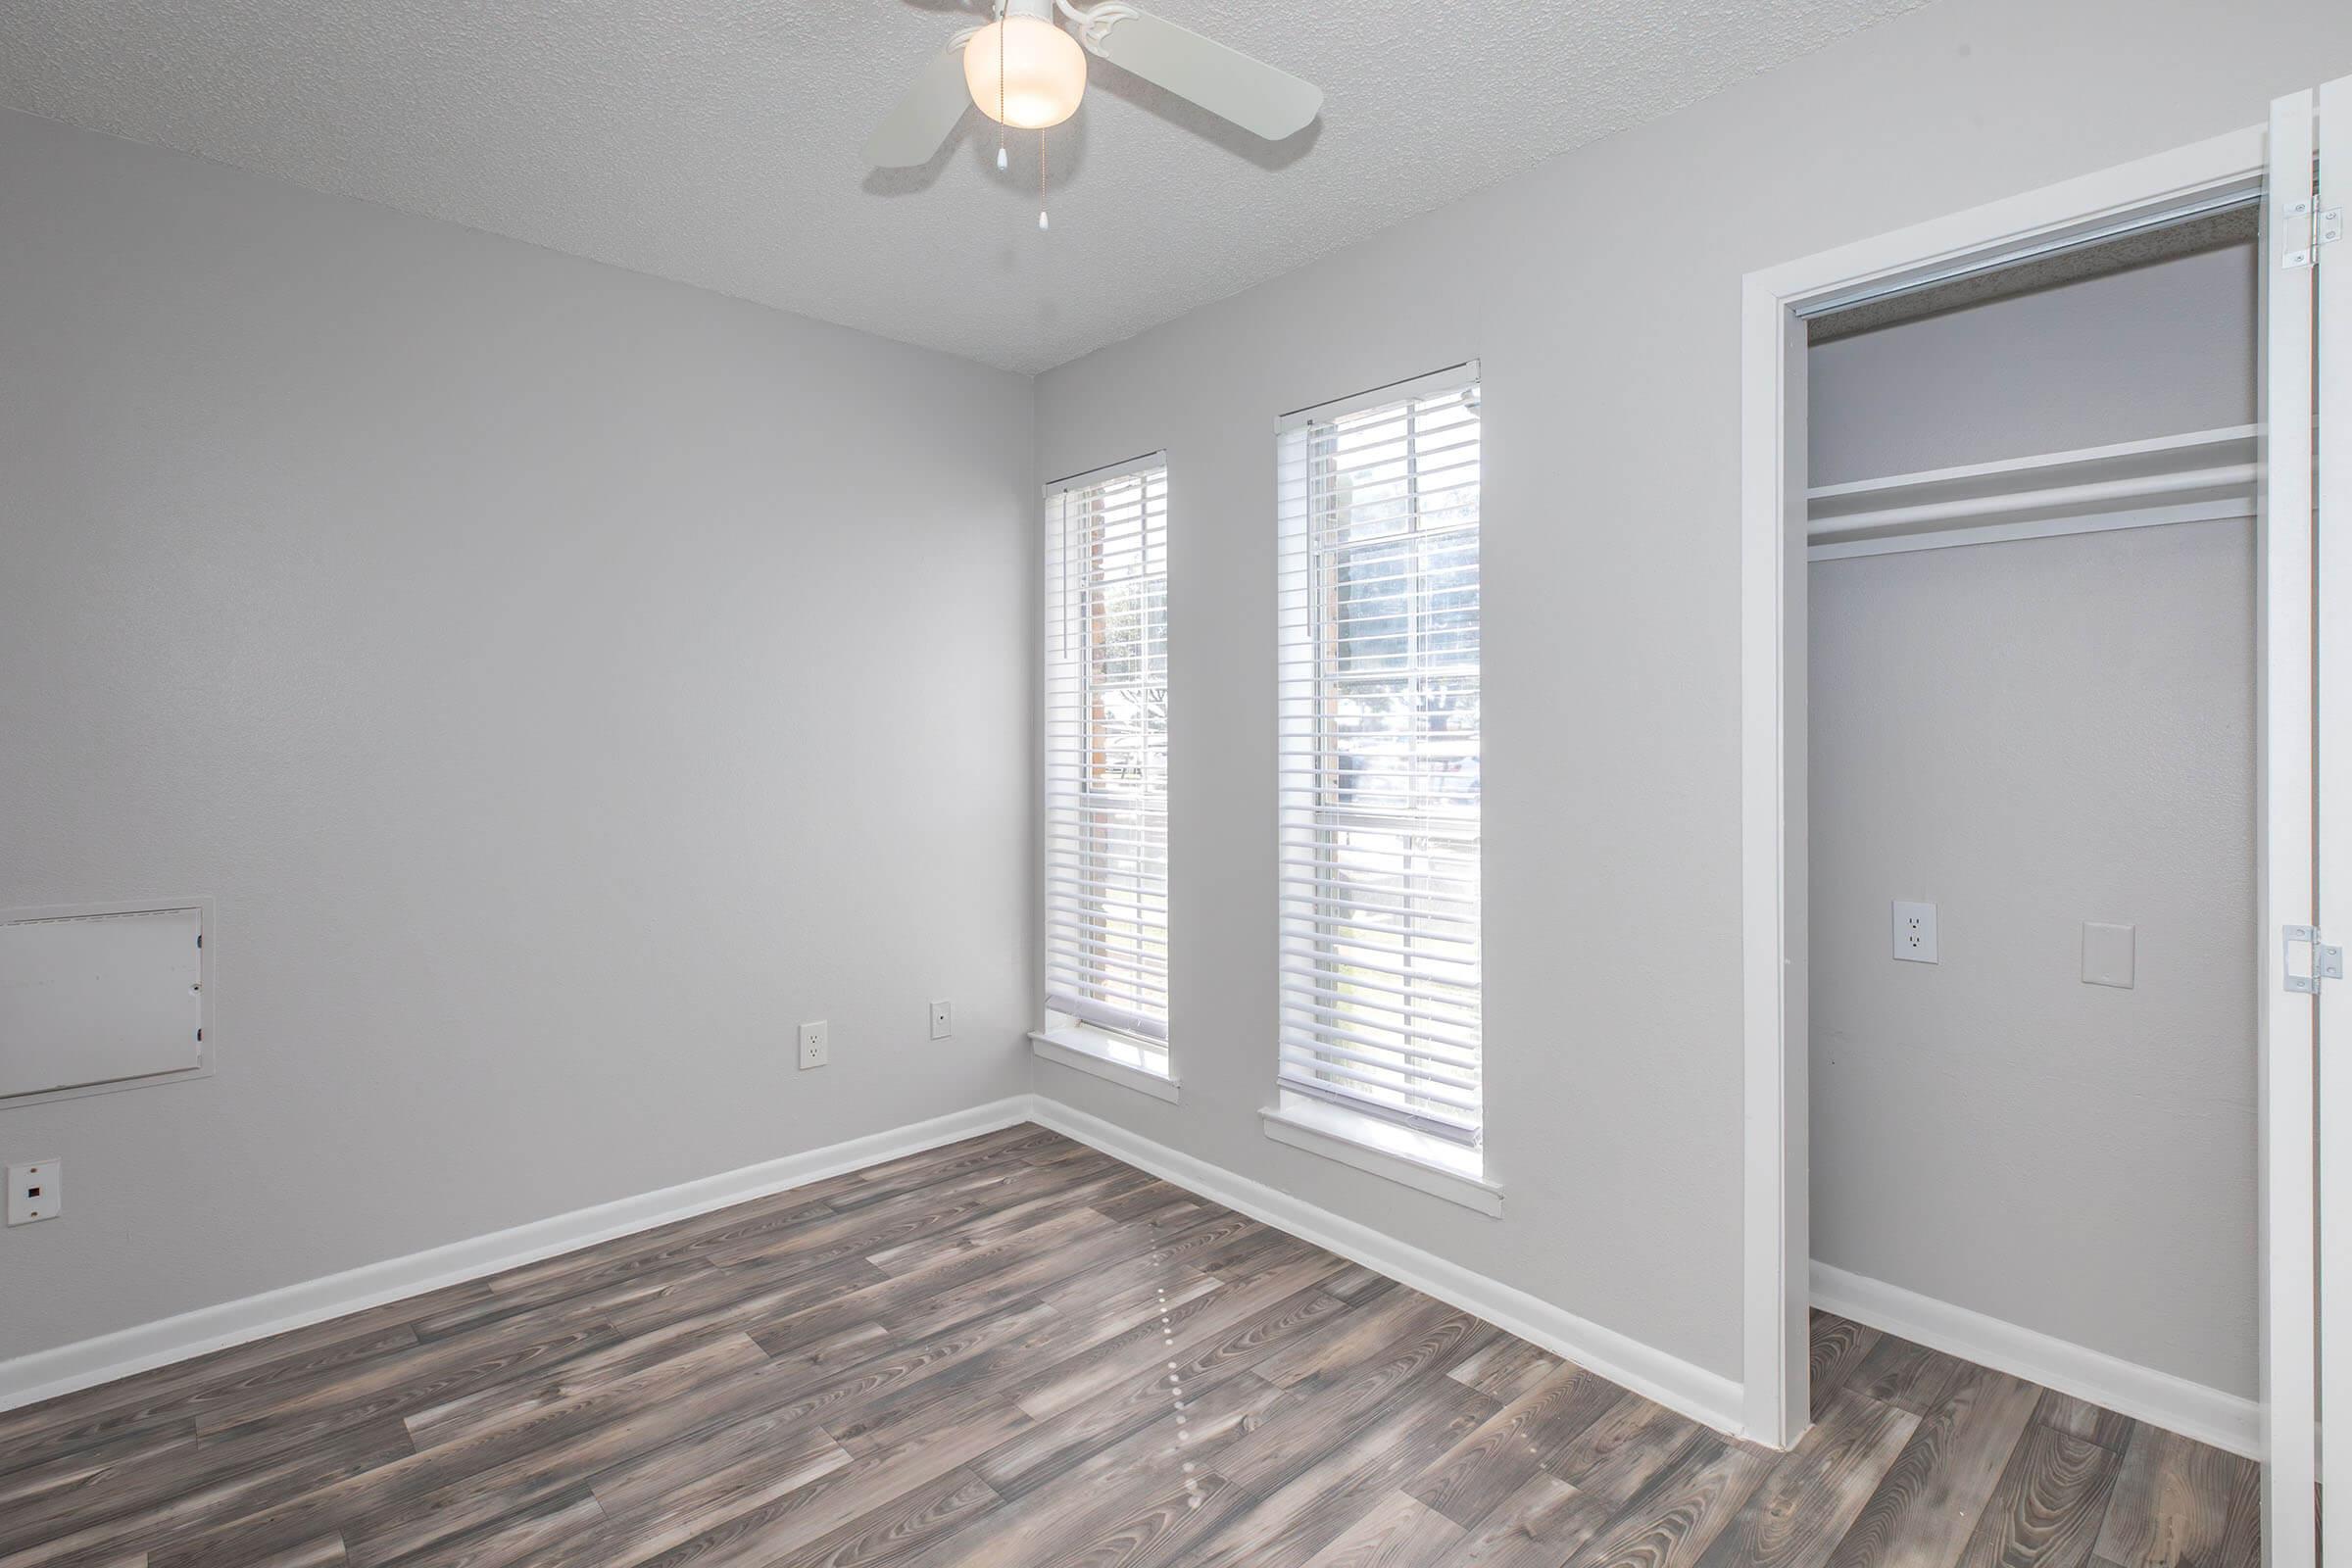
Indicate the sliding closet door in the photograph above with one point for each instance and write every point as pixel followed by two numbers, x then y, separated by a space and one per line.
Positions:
pixel 2330 276
pixel 2289 896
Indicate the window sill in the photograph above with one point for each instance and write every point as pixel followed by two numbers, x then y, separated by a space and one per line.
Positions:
pixel 1106 1056
pixel 1426 1164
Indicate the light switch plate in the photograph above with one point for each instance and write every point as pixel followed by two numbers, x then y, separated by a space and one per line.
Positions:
pixel 36 1190
pixel 2107 954
pixel 1915 933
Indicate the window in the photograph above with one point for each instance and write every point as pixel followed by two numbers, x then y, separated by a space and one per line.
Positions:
pixel 1106 759
pixel 1379 755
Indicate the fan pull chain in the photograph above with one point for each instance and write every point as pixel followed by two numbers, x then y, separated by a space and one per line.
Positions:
pixel 1040 180
pixel 1001 161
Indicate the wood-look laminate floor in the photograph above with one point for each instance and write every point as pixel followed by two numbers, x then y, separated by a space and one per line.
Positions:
pixel 1018 1352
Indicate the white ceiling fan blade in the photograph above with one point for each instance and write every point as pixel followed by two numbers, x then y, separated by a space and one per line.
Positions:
pixel 1253 95
pixel 925 118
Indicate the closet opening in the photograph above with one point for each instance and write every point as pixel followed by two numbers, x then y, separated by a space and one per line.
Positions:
pixel 2031 750
pixel 2080 450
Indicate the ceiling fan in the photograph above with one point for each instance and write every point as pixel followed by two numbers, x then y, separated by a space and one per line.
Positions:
pixel 1025 69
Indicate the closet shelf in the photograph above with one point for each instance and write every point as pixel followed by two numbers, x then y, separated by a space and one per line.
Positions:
pixel 2194 477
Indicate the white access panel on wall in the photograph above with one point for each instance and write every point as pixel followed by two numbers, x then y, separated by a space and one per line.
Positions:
pixel 100 999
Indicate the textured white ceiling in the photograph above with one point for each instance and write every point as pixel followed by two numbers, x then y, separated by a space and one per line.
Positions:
pixel 717 141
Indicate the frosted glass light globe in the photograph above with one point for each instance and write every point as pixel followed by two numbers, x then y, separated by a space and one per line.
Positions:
pixel 1044 71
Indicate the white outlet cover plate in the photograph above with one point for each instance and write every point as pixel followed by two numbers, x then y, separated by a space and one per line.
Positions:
pixel 1914 929
pixel 814 1051
pixel 943 1019
pixel 36 1190
pixel 2107 954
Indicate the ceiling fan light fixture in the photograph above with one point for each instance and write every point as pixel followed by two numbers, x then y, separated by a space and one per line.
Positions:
pixel 1043 71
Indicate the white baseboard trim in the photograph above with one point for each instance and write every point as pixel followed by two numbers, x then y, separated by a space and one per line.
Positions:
pixel 2210 1416
pixel 1677 1383
pixel 86 1363
pixel 1694 1392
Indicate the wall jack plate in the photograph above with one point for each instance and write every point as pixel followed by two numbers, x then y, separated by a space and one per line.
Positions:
pixel 35 1191
pixel 814 1052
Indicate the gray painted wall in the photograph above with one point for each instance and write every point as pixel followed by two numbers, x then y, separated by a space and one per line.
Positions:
pixel 1607 317
pixel 565 681
pixel 2031 735
pixel 2160 350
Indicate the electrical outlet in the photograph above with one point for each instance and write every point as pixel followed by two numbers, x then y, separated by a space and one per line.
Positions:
pixel 814 1052
pixel 35 1191
pixel 1915 933
pixel 943 1019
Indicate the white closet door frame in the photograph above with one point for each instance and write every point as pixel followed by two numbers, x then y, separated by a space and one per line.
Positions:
pixel 2332 437
pixel 2225 171
pixel 2287 868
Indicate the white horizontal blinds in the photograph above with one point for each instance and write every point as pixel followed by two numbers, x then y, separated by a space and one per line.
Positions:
pixel 1106 752
pixel 1380 958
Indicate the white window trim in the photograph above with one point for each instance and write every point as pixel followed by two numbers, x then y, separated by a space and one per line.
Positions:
pixel 1098 1048
pixel 1291 428
pixel 1432 1165
pixel 1101 1054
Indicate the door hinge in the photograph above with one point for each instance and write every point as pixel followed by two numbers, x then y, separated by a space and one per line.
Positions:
pixel 2327 962
pixel 2319 229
